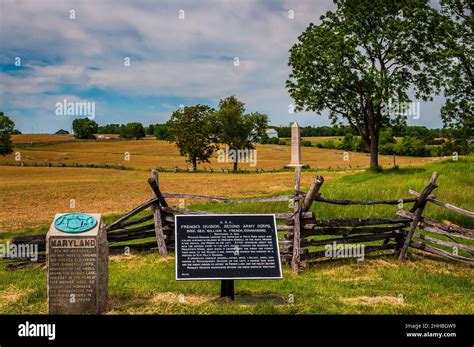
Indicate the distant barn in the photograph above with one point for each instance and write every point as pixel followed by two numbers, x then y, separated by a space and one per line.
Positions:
pixel 271 133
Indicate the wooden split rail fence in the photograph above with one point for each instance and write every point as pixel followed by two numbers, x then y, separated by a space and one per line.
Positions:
pixel 300 231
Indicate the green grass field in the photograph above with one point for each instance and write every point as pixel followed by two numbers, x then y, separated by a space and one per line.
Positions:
pixel 145 284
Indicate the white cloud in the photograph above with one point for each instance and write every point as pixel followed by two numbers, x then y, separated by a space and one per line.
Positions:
pixel 170 57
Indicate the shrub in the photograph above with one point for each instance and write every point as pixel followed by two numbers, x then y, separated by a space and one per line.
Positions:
pixel 461 147
pixel 411 146
pixel 347 143
pixel 264 139
pixel 387 149
pixel 330 144
pixel 132 131
pixel 162 131
pixel 386 136
pixel 275 141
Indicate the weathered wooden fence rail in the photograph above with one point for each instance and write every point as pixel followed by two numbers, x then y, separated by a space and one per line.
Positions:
pixel 300 231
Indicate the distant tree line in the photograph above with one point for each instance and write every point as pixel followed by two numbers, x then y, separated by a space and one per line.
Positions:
pixel 397 131
pixel 417 144
pixel 307 131
pixel 133 130
pixel 85 128
pixel 109 129
pixel 415 140
pixel 426 135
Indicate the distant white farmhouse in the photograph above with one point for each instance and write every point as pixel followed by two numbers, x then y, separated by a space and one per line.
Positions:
pixel 271 133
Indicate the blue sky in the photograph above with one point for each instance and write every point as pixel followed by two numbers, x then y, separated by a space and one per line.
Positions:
pixel 173 61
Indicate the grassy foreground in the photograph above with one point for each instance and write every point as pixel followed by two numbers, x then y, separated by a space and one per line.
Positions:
pixel 423 285
pixel 144 284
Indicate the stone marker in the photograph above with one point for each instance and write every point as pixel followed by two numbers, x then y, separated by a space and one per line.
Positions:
pixel 295 146
pixel 77 253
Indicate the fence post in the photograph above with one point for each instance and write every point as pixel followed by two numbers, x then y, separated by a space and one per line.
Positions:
pixel 295 260
pixel 160 237
pixel 312 192
pixel 419 207
pixel 297 206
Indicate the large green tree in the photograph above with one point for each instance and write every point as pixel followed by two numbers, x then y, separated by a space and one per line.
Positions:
pixel 456 61
pixel 234 128
pixel 84 128
pixel 361 57
pixel 7 127
pixel 189 127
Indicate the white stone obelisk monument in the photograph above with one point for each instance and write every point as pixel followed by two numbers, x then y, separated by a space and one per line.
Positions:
pixel 295 146
pixel 296 153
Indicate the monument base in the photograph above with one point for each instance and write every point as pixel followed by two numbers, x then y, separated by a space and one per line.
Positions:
pixel 292 166
pixel 77 255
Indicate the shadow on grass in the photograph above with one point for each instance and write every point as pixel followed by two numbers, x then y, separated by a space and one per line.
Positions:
pixel 374 175
pixel 248 299
pixel 328 263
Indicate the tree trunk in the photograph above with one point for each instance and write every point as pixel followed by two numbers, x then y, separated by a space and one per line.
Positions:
pixel 194 165
pixel 374 154
pixel 235 165
pixel 374 149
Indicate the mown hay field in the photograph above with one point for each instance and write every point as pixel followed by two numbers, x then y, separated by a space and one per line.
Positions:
pixel 47 138
pixel 41 138
pixel 145 283
pixel 150 153
pixel 32 195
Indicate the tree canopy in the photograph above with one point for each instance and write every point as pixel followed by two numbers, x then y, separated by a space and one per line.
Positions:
pixel 361 56
pixel 455 61
pixel 132 130
pixel 84 128
pixel 7 127
pixel 190 129
pixel 234 128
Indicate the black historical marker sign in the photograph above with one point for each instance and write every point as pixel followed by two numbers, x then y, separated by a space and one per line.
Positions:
pixel 226 247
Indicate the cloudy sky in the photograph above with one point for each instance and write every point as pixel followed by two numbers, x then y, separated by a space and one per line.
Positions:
pixel 173 60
